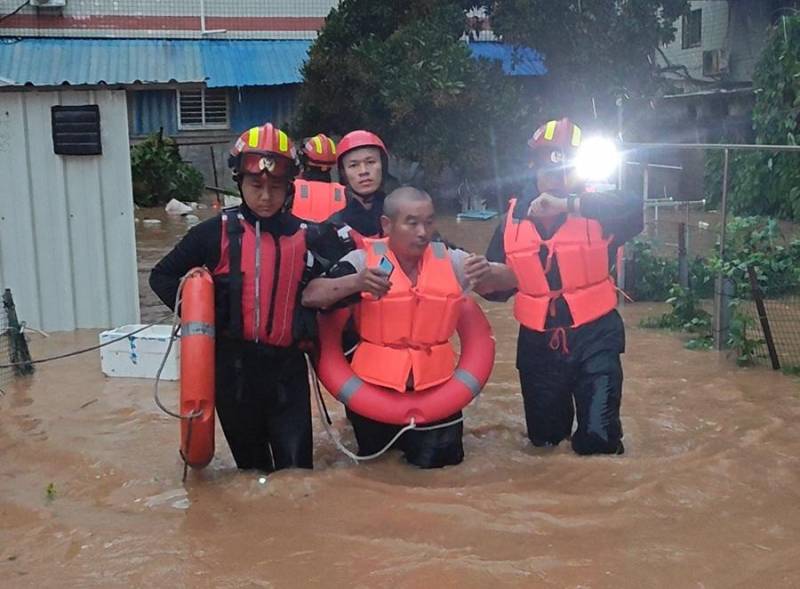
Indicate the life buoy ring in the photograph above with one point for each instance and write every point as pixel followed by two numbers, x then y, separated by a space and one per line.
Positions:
pixel 197 368
pixel 388 406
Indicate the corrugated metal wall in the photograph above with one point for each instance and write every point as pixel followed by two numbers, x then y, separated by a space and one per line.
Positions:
pixel 259 104
pixel 153 109
pixel 67 244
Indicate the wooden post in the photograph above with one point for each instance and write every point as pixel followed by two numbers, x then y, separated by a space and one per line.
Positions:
pixel 20 356
pixel 216 178
pixel 758 297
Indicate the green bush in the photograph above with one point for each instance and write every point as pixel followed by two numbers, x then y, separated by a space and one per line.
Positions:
pixel 757 242
pixel 751 242
pixel 653 275
pixel 686 314
pixel 159 174
pixel 746 348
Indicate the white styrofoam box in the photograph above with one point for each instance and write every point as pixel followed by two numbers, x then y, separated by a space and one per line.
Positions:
pixel 140 355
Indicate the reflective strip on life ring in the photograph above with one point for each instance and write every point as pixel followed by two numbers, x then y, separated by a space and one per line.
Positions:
pixel 388 406
pixel 197 368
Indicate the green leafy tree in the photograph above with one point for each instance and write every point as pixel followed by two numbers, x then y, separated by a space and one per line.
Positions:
pixel 401 70
pixel 593 48
pixel 765 183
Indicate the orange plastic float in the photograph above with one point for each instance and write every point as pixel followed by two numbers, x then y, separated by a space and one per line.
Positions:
pixel 426 406
pixel 197 368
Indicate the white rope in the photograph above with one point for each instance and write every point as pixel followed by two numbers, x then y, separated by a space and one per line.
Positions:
pixel 338 442
pixel 172 338
pixel 23 327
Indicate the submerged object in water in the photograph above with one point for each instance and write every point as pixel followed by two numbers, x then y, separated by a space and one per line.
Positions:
pixel 477 215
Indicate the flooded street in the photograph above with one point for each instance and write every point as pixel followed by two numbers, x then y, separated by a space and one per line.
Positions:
pixel 707 495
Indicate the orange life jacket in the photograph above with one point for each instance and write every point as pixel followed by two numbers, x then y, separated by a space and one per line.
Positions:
pixel 407 331
pixel 317 201
pixel 582 254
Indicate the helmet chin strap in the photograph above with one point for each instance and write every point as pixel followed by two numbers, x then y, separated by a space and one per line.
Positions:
pixel 364 196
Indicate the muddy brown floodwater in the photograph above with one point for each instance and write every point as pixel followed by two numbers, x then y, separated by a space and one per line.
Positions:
pixel 707 494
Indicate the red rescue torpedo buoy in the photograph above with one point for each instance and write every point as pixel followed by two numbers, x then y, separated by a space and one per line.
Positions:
pixel 426 406
pixel 197 368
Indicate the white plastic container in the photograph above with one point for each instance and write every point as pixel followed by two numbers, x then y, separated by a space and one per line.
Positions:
pixel 139 355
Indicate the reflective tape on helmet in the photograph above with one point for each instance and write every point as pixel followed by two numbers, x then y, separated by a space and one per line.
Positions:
pixel 550 130
pixel 252 138
pixel 576 136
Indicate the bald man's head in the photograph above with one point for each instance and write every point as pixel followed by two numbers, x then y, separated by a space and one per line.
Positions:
pixel 408 220
pixel 405 194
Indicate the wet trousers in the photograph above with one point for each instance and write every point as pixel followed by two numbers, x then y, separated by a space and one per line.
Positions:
pixel 264 405
pixel 425 449
pixel 578 380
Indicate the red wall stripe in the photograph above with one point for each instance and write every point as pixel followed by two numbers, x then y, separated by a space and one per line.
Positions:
pixel 174 23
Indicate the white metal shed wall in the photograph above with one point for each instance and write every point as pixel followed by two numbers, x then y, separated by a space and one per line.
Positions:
pixel 67 242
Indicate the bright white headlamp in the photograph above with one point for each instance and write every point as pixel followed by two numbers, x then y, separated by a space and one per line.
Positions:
pixel 597 159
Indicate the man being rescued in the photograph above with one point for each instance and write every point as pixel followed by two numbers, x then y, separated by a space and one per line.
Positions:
pixel 390 282
pixel 559 241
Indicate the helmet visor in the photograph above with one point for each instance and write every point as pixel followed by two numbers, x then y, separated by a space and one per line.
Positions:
pixel 549 158
pixel 253 162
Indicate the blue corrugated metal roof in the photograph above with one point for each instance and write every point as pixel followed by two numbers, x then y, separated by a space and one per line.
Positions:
pixel 220 63
pixel 53 62
pixel 516 61
pixel 253 63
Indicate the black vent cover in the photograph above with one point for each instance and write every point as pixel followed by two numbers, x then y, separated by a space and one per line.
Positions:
pixel 76 130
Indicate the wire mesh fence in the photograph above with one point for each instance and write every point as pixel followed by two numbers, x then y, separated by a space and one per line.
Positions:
pixel 732 280
pixel 773 325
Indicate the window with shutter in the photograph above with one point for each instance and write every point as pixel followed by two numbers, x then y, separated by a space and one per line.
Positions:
pixel 203 108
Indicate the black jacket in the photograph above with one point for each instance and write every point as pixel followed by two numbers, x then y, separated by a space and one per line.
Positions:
pixel 366 221
pixel 201 247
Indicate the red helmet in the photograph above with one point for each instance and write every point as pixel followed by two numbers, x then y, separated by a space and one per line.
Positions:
pixel 563 134
pixel 264 149
pixel 320 151
pixel 355 139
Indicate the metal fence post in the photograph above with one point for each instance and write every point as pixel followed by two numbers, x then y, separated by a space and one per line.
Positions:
pixel 723 286
pixel 683 261
pixel 645 191
pixel 724 290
